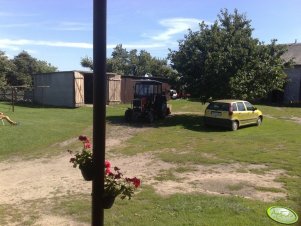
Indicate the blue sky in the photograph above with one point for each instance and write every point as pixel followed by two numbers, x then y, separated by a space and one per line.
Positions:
pixel 60 31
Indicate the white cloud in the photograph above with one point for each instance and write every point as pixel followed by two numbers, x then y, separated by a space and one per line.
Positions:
pixel 4 14
pixel 176 26
pixel 15 25
pixel 10 14
pixel 14 44
pixel 73 26
pixel 138 46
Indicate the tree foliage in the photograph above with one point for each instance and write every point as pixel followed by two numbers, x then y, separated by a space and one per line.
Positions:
pixel 6 68
pixel 19 70
pixel 223 60
pixel 133 63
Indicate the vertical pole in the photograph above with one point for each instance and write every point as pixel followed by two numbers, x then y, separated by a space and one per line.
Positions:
pixel 12 99
pixel 99 108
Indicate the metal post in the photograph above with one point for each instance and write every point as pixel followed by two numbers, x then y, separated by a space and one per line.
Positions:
pixel 13 99
pixel 99 108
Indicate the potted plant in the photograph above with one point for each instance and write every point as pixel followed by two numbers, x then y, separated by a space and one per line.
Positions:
pixel 115 184
pixel 83 159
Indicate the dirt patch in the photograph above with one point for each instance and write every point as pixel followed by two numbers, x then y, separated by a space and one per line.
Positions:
pixel 47 178
pixel 57 221
pixel 294 119
pixel 221 179
pixel 224 179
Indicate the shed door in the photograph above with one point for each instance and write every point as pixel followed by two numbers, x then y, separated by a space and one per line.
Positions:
pixel 113 90
pixel 79 91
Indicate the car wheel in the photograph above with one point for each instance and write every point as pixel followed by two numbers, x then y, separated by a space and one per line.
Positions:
pixel 259 121
pixel 234 125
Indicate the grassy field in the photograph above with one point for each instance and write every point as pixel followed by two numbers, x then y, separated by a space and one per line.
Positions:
pixel 39 128
pixel 276 144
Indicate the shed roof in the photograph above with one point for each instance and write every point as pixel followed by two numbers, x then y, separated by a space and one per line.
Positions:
pixel 148 81
pixel 293 51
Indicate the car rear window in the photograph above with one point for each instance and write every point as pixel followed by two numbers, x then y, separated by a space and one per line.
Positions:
pixel 218 106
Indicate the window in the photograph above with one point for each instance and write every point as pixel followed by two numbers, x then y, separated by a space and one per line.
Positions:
pixel 234 107
pixel 241 106
pixel 218 106
pixel 249 106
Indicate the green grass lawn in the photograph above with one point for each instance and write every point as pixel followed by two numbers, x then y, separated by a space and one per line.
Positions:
pixel 40 127
pixel 276 144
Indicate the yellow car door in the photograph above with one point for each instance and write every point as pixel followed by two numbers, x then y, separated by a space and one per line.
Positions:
pixel 242 113
pixel 252 115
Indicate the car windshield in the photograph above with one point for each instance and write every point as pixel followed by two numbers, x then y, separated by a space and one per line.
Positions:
pixel 146 89
pixel 218 106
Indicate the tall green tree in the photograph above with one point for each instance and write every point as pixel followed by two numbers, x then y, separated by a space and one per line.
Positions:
pixel 25 67
pixel 223 60
pixel 87 62
pixel 6 68
pixel 133 63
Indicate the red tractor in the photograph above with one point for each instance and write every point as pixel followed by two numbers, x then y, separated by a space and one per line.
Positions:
pixel 149 102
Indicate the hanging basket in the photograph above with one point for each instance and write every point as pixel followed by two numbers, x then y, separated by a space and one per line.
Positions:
pixel 108 201
pixel 87 171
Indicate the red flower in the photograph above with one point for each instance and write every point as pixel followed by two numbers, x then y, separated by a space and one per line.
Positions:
pixel 84 139
pixel 87 145
pixel 107 164
pixel 135 181
pixel 108 171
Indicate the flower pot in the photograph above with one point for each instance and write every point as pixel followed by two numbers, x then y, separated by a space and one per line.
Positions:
pixel 87 172
pixel 108 201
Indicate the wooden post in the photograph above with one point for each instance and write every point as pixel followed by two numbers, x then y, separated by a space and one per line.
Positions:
pixel 99 108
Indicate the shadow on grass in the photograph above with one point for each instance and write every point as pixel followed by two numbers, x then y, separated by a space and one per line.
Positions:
pixel 187 121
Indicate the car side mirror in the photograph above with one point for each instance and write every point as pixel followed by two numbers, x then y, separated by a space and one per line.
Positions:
pixel 254 108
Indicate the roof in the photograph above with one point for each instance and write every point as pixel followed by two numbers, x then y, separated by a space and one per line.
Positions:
pixel 228 100
pixel 293 51
pixel 148 81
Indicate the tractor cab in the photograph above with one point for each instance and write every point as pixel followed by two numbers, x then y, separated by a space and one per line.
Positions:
pixel 149 101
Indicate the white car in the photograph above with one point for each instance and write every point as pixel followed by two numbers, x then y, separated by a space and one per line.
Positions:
pixel 173 94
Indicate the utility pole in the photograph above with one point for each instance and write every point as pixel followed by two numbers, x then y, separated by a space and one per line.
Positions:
pixel 99 108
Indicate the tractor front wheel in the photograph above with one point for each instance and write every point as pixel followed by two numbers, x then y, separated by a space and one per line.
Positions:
pixel 128 115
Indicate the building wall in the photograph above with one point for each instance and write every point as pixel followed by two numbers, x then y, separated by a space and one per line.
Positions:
pixel 292 91
pixel 59 89
pixel 127 89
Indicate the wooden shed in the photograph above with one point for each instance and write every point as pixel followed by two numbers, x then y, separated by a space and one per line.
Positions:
pixel 62 89
pixel 292 91
pixel 113 94
pixel 72 88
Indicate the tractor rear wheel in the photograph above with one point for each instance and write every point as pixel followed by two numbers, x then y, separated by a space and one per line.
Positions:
pixel 150 117
pixel 163 111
